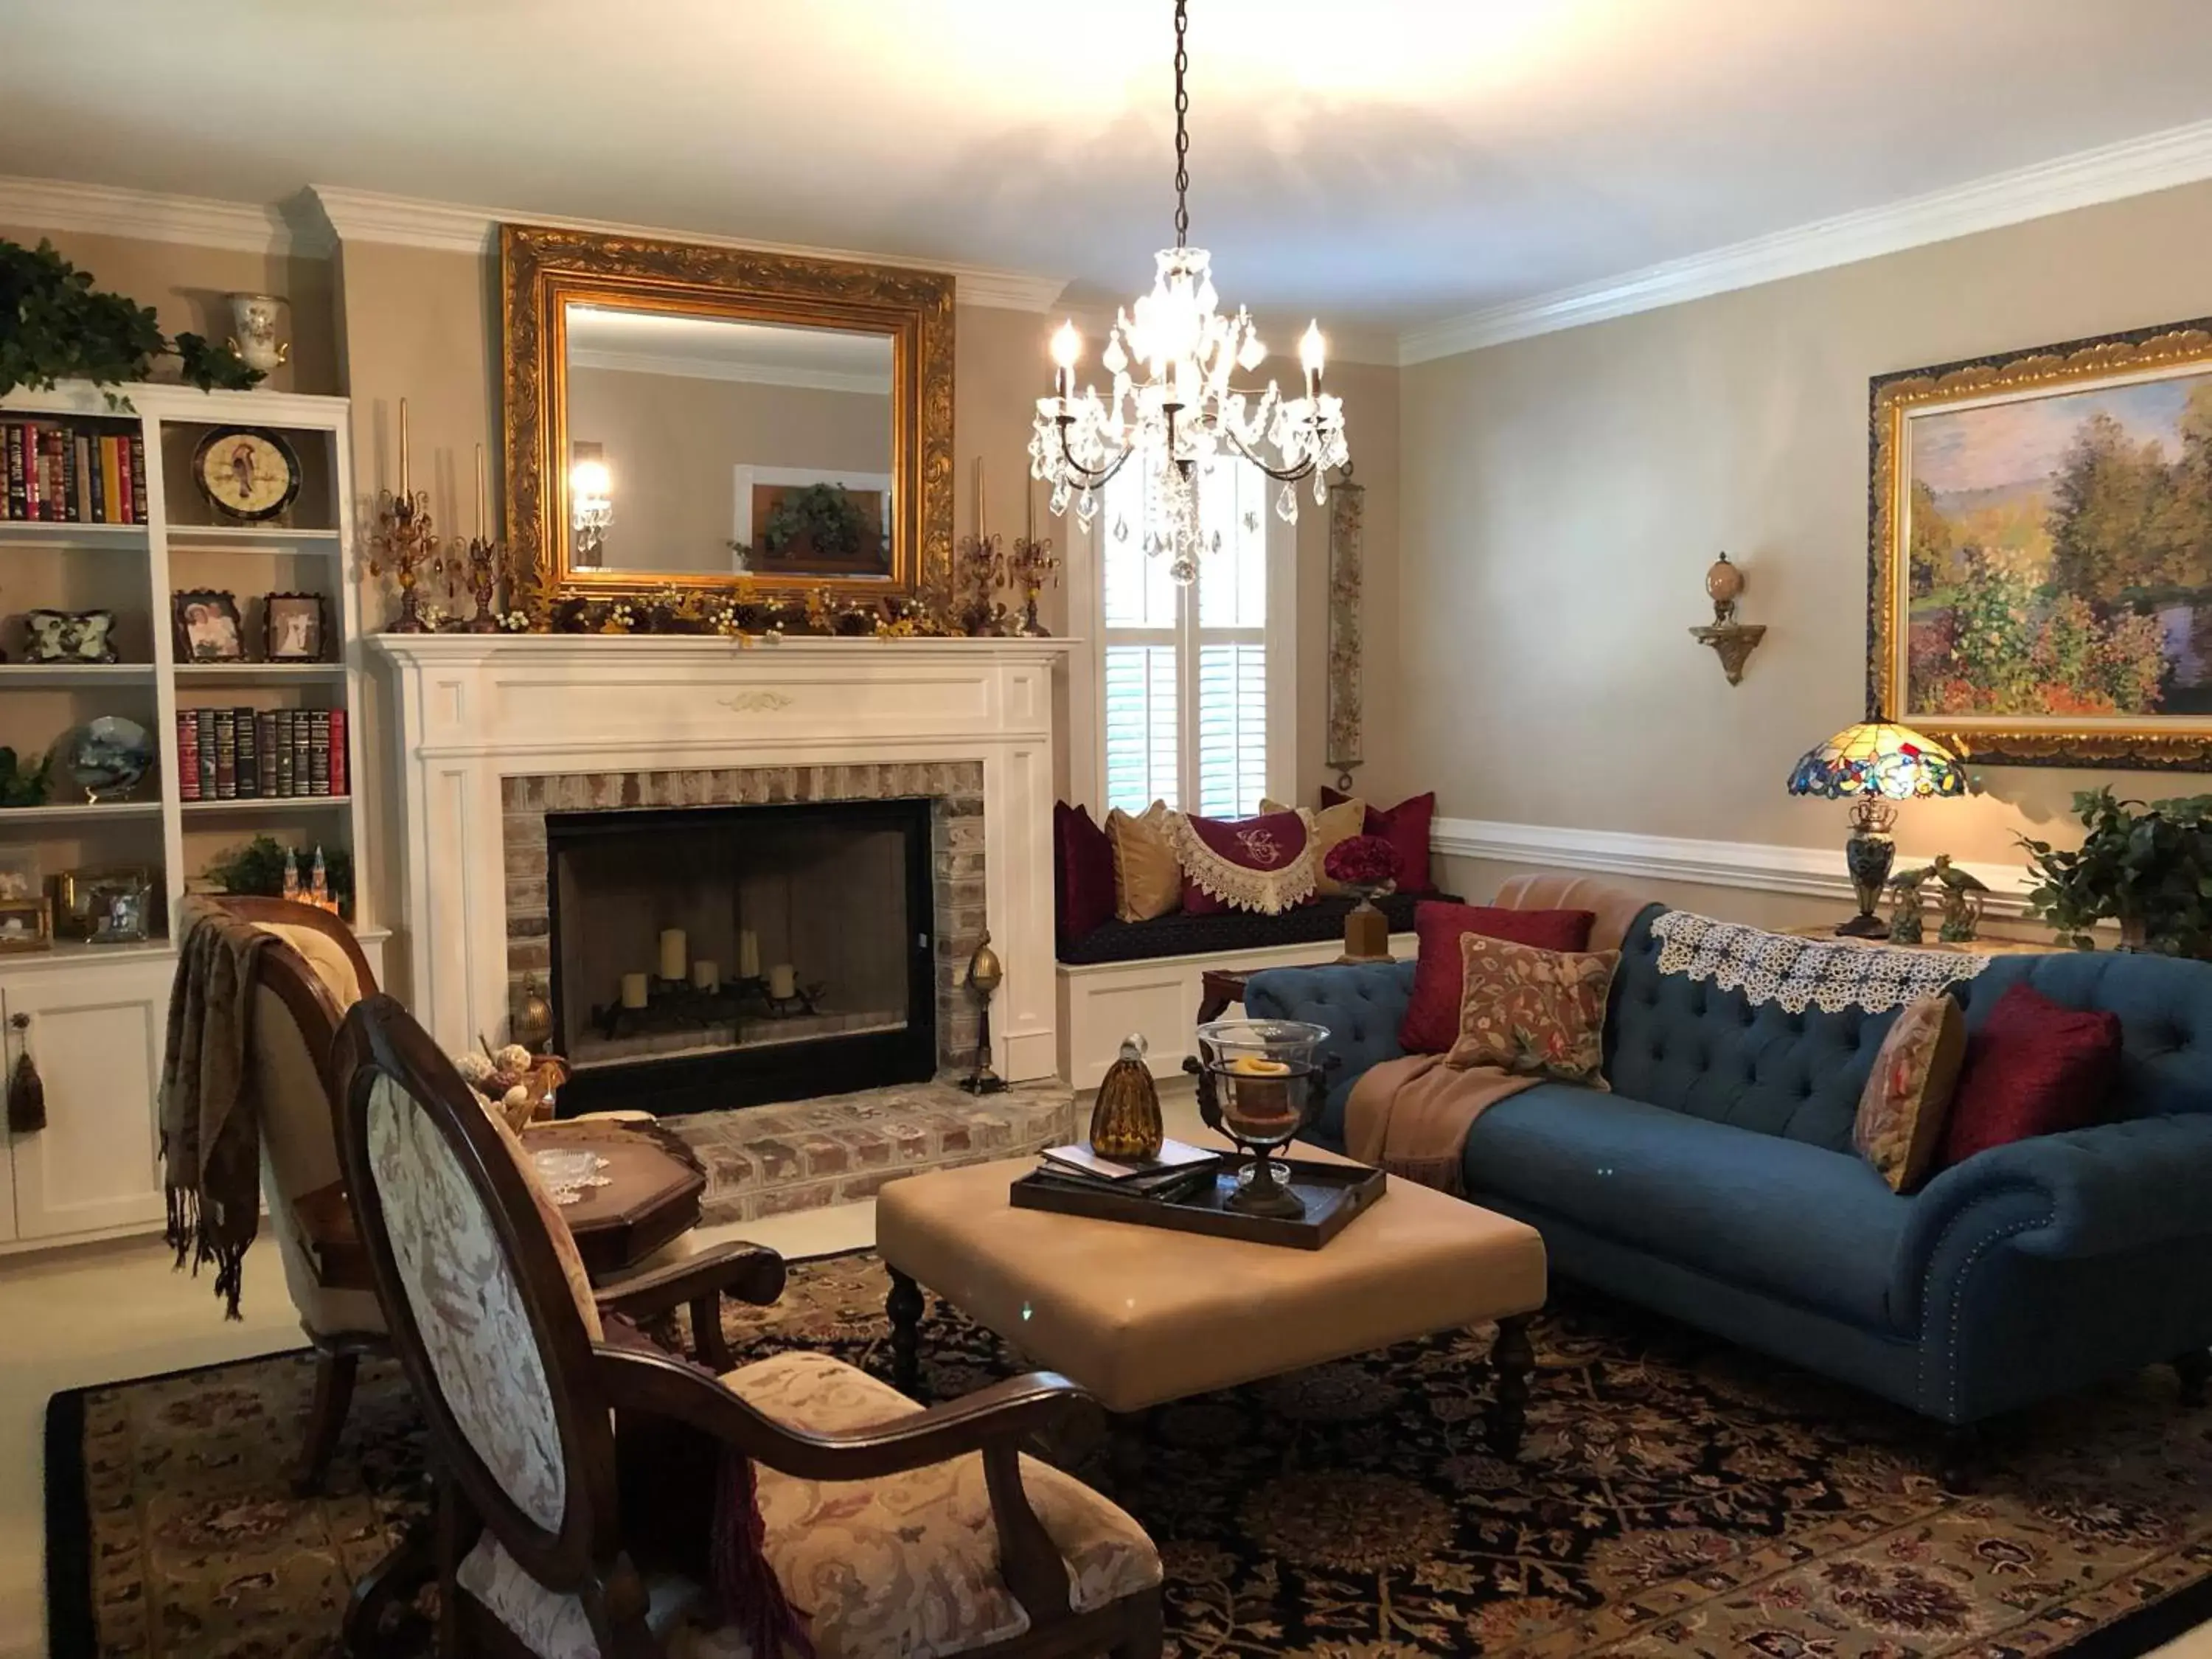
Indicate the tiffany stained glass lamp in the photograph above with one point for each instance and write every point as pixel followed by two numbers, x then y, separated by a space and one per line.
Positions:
pixel 1875 763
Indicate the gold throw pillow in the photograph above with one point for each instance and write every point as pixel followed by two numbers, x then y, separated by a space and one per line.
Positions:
pixel 1147 879
pixel 1907 1098
pixel 1534 1013
pixel 1331 824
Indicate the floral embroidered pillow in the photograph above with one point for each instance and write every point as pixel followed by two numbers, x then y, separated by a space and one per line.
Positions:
pixel 1907 1098
pixel 1534 1013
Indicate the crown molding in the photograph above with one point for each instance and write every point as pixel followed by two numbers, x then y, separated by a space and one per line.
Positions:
pixel 712 368
pixel 2134 166
pixel 1761 866
pixel 362 215
pixel 148 215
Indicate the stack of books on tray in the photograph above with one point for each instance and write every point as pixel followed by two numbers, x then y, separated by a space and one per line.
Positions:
pixel 1179 1171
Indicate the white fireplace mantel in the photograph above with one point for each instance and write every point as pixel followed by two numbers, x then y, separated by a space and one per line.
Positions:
pixel 474 708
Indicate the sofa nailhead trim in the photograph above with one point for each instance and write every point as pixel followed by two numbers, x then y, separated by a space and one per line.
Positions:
pixel 1958 1299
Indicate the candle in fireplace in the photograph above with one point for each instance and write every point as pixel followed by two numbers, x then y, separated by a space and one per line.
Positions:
pixel 706 974
pixel 748 954
pixel 632 990
pixel 783 980
pixel 673 955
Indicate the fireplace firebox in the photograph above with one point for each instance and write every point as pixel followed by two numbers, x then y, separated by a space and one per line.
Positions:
pixel 712 956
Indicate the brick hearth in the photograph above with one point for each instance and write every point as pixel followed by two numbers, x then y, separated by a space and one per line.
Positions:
pixel 838 1149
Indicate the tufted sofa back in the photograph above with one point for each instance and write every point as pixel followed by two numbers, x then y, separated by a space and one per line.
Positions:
pixel 2165 1006
pixel 1361 1005
pixel 1697 1049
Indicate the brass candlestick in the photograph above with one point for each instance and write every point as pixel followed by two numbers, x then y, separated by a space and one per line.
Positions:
pixel 405 543
pixel 481 564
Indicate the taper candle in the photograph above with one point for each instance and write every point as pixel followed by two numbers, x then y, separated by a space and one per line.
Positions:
pixel 403 450
pixel 673 955
pixel 632 990
pixel 977 474
pixel 482 499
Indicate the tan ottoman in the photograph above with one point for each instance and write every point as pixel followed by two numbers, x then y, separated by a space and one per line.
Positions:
pixel 1142 1314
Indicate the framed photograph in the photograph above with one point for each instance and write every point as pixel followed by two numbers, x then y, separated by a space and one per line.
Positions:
pixel 83 899
pixel 207 626
pixel 68 636
pixel 2040 553
pixel 26 925
pixel 294 628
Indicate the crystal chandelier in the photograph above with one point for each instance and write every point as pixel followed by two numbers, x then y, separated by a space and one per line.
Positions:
pixel 1183 415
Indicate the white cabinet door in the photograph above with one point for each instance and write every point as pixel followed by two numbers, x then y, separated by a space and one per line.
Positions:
pixel 95 1034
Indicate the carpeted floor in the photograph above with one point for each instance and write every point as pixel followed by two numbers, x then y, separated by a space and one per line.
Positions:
pixel 1676 1498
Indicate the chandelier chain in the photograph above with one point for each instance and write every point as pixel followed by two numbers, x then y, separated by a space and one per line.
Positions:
pixel 1183 125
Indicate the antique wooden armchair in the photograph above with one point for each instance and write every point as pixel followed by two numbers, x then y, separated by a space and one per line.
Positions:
pixel 891 1529
pixel 309 977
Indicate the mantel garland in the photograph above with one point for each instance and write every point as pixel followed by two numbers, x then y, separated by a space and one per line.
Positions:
pixel 1346 562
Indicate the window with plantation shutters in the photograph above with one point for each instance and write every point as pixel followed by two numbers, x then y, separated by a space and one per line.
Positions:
pixel 1191 706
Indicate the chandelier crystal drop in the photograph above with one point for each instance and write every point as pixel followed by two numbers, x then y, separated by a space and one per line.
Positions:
pixel 1173 407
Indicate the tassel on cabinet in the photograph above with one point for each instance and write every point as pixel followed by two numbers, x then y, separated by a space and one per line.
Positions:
pixel 27 1093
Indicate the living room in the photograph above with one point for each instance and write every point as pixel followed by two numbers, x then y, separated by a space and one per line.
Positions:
pixel 1593 713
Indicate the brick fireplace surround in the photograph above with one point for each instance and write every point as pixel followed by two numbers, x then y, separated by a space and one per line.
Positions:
pixel 953 788
pixel 492 732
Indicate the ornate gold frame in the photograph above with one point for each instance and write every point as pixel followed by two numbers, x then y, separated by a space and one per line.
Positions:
pixel 2181 743
pixel 542 271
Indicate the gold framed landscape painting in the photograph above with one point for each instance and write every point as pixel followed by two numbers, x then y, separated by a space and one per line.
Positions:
pixel 2040 588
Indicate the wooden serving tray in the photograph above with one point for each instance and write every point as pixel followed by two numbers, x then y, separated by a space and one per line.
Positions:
pixel 1333 1194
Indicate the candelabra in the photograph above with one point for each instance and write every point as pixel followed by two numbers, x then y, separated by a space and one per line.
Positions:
pixel 1032 565
pixel 405 545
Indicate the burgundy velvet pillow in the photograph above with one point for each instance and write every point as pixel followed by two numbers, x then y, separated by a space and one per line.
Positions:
pixel 1265 863
pixel 1083 873
pixel 2035 1067
pixel 1431 1022
pixel 1405 827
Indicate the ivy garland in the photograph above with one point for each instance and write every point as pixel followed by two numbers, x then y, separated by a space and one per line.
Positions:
pixel 55 326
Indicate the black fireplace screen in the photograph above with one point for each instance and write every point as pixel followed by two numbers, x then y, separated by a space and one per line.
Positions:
pixel 713 956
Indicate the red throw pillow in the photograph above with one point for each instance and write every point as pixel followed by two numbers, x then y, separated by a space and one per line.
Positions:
pixel 2035 1067
pixel 1431 1022
pixel 1264 864
pixel 1405 827
pixel 1083 873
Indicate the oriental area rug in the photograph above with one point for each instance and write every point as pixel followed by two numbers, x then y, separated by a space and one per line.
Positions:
pixel 1676 1497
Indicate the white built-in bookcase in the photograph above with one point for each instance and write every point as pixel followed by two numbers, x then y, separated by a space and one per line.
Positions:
pixel 97 1011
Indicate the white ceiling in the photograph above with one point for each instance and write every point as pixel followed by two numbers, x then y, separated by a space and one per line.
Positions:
pixel 1388 163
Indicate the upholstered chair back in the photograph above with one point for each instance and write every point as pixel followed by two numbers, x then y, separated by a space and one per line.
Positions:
pixel 487 1314
pixel 309 978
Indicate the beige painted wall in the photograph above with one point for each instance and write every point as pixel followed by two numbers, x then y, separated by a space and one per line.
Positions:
pixel 672 443
pixel 1562 497
pixel 185 286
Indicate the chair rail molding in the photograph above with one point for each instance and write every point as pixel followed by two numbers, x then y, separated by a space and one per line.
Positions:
pixel 1760 866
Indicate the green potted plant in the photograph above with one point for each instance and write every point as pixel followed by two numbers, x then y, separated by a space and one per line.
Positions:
pixel 2146 866
pixel 55 326
pixel 821 517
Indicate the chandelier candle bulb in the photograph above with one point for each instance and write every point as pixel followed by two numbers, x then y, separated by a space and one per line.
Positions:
pixel 674 955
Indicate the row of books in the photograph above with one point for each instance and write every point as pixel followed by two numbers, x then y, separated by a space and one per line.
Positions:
pixel 59 474
pixel 246 753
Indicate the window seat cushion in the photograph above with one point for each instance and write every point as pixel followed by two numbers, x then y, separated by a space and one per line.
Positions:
pixel 1183 934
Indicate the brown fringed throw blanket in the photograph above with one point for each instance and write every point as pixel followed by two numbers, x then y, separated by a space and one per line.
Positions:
pixel 1410 1115
pixel 210 1121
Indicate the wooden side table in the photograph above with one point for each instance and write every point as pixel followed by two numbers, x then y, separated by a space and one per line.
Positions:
pixel 1973 947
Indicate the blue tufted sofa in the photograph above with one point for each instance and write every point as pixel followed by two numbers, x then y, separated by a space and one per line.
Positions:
pixel 1717 1182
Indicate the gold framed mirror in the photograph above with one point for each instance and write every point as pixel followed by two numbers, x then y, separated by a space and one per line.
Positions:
pixel 709 418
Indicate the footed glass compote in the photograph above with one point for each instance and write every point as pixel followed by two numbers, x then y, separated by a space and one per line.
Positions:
pixel 1260 1081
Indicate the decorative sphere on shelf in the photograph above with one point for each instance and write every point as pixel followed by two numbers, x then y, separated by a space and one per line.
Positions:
pixel 1723 584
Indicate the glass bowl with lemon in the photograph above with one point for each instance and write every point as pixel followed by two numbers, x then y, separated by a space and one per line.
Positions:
pixel 1259 1083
